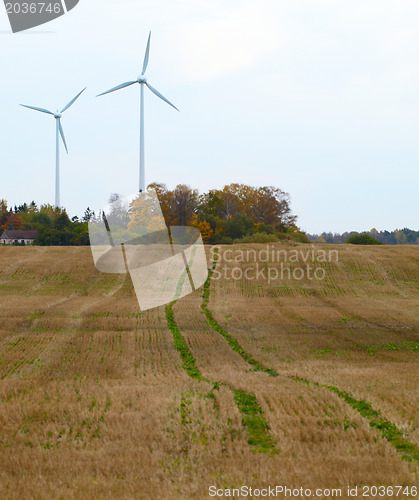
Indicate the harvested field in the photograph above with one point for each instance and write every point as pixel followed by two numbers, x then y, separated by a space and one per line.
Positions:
pixel 301 382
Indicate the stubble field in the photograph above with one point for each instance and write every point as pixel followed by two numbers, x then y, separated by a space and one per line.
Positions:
pixel 301 382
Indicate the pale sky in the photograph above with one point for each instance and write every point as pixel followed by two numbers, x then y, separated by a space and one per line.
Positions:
pixel 320 99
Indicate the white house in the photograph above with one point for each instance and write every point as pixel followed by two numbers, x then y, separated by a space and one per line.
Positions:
pixel 18 237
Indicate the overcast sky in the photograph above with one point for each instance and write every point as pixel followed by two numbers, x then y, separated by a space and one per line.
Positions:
pixel 320 99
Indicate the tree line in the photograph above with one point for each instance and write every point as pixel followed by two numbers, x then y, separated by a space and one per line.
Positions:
pixel 53 225
pixel 236 213
pixel 398 237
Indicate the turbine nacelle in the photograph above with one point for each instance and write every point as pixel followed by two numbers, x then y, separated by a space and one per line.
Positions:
pixel 142 79
pixel 57 116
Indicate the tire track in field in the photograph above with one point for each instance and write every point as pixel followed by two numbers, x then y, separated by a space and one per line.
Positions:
pixel 16 264
pixel 253 419
pixel 75 323
pixel 38 354
pixel 390 280
pixel 50 346
pixel 409 451
pixel 350 313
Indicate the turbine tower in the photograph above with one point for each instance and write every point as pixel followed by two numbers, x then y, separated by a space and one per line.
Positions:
pixel 142 80
pixel 58 131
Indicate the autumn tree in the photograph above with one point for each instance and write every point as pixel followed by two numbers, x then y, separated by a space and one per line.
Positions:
pixel 272 206
pixel 164 196
pixel 27 212
pixel 266 206
pixel 88 215
pixel 204 228
pixel 3 211
pixel 117 214
pixel 178 206
pixel 52 211
pixel 145 214
pixel 184 203
pixel 12 221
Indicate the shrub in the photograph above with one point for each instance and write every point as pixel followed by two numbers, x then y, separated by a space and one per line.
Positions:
pixel 258 238
pixel 238 226
pixel 300 237
pixel 226 240
pixel 363 239
pixel 266 228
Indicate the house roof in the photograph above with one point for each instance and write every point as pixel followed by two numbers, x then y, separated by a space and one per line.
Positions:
pixel 17 234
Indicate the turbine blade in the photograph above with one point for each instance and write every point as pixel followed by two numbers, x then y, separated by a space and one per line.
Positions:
pixel 161 96
pixel 147 54
pixel 62 134
pixel 122 86
pixel 73 101
pixel 42 110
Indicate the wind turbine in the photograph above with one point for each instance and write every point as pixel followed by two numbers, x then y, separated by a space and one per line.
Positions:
pixel 59 131
pixel 142 80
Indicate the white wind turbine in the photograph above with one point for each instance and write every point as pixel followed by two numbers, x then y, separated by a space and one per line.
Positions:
pixel 142 80
pixel 59 131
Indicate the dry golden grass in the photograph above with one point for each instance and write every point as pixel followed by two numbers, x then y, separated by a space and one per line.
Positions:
pixel 95 403
pixel 340 331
